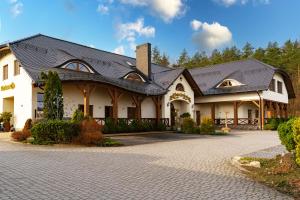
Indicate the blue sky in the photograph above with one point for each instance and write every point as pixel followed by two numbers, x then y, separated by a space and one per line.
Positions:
pixel 118 25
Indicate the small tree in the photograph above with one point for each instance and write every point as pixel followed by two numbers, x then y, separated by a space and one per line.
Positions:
pixel 53 96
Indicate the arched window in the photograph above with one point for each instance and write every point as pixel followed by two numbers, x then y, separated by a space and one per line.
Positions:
pixel 229 83
pixel 77 66
pixel 179 87
pixel 134 77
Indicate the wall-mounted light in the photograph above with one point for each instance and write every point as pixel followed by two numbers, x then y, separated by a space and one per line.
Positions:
pixel 180 78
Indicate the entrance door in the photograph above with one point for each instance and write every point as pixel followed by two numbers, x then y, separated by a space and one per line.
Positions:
pixel 173 114
pixel 249 116
pixel 198 117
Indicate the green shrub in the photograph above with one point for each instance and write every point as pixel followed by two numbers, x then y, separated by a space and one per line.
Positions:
pixel 285 131
pixel 296 134
pixel 188 125
pixel 268 127
pixel 122 126
pixel 207 126
pixel 273 123
pixel 108 142
pixel 54 131
pixel 159 127
pixel 185 115
pixel 110 126
pixel 6 116
pixel 77 116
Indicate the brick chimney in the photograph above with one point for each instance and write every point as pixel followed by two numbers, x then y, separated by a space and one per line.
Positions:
pixel 143 59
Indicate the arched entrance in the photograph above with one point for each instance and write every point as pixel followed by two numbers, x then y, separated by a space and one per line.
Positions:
pixel 177 108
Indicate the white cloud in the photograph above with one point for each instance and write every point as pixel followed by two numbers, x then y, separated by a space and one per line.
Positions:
pixel 17 8
pixel 166 9
pixel 102 9
pixel 229 3
pixel 119 50
pixel 211 36
pixel 195 24
pixel 129 31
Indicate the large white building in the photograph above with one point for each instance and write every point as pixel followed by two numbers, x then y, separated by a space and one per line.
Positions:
pixel 105 84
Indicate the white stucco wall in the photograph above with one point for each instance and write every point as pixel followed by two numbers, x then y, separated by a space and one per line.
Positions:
pixel 275 96
pixel 22 93
pixel 228 97
pixel 178 103
pixel 148 108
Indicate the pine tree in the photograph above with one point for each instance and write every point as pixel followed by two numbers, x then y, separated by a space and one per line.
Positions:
pixel 156 57
pixel 183 59
pixel 216 57
pixel 259 54
pixel 247 50
pixel 53 96
pixel 273 55
pixel 164 60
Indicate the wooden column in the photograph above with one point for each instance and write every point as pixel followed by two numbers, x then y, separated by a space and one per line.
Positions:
pixel 115 95
pixel 275 107
pixel 137 100
pixel 86 90
pixel 213 112
pixel 262 114
pixel 235 111
pixel 157 101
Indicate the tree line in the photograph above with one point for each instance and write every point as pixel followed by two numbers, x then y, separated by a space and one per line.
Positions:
pixel 286 57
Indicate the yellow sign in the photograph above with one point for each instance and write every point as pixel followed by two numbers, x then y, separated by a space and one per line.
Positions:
pixel 176 96
pixel 8 87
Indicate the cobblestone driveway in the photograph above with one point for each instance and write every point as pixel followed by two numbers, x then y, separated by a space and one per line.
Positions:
pixel 192 168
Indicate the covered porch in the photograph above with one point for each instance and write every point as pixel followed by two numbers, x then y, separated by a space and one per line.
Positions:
pixel 102 101
pixel 243 114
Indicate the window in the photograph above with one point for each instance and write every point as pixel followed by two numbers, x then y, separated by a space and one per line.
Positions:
pixel 279 87
pixel 229 83
pixel 5 72
pixel 40 101
pixel 256 114
pixel 91 109
pixel 272 85
pixel 134 77
pixel 108 111
pixel 131 112
pixel 77 66
pixel 179 87
pixel 16 68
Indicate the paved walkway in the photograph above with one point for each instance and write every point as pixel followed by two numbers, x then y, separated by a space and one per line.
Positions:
pixel 192 168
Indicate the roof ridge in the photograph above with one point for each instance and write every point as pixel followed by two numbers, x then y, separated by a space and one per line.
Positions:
pixel 265 64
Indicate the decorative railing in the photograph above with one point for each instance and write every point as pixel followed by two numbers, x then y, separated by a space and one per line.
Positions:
pixel 241 121
pixel 165 121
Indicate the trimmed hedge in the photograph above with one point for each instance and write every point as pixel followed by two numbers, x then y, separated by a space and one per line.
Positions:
pixel 285 131
pixel 188 125
pixel 134 126
pixel 207 126
pixel 54 131
pixel 296 133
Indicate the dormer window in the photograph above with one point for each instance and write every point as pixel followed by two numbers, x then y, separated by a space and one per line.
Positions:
pixel 229 83
pixel 77 66
pixel 134 77
pixel 179 87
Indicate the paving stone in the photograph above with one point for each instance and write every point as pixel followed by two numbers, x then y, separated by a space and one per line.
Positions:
pixel 168 167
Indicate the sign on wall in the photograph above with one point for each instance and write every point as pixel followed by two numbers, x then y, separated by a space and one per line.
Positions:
pixel 178 96
pixel 8 87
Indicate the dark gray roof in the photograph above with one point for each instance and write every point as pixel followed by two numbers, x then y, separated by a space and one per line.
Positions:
pixel 253 74
pixel 43 53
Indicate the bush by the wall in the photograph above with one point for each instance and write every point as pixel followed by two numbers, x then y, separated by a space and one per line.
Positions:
pixel 188 125
pixel 296 133
pixel 24 134
pixel 207 126
pixel 273 123
pixel 54 131
pixel 77 116
pixel 185 115
pixel 90 133
pixel 110 126
pixel 285 131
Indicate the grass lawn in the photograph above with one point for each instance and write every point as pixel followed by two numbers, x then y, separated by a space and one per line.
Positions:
pixel 281 173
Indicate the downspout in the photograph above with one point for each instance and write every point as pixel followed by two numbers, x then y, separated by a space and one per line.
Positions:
pixel 260 109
